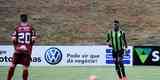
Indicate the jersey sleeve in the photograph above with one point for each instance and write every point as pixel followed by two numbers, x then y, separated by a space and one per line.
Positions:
pixel 14 38
pixel 13 35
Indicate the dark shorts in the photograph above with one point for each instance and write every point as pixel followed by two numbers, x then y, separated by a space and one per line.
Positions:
pixel 118 54
pixel 21 58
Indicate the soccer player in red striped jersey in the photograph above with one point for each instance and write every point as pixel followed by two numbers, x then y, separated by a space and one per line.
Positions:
pixel 23 39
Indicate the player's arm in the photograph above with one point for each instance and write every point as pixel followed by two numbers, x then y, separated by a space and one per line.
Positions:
pixel 108 39
pixel 125 40
pixel 34 35
pixel 14 38
pixel 125 44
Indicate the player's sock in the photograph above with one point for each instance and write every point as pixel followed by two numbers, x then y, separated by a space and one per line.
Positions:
pixel 123 70
pixel 123 73
pixel 25 74
pixel 10 73
pixel 118 70
pixel 125 78
pixel 119 74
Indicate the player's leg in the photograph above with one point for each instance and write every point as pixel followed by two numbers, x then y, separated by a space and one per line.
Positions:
pixel 122 68
pixel 25 73
pixel 117 66
pixel 11 71
pixel 26 63
pixel 118 69
pixel 12 67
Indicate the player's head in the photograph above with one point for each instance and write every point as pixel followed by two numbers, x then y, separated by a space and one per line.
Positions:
pixel 23 17
pixel 116 25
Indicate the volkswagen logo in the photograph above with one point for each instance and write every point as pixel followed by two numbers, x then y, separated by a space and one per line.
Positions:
pixel 53 56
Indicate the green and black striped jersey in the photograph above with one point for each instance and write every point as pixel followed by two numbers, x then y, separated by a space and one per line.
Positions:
pixel 118 40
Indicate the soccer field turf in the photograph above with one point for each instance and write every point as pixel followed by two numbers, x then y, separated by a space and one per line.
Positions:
pixel 82 73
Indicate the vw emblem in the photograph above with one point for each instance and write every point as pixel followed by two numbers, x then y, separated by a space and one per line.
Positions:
pixel 53 56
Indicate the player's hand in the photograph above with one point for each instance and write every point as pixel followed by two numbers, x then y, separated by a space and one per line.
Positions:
pixel 109 45
pixel 126 52
pixel 23 47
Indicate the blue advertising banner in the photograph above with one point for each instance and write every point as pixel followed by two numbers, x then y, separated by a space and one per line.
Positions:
pixel 127 57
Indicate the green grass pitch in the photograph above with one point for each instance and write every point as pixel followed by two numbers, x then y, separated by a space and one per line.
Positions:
pixel 82 73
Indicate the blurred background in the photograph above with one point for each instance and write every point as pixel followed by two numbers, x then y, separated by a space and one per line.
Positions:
pixel 83 21
pixel 78 22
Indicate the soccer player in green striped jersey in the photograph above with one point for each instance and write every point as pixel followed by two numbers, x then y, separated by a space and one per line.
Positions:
pixel 119 45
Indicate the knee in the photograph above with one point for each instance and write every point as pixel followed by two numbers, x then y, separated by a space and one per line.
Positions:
pixel 121 62
pixel 117 67
pixel 25 67
pixel 12 65
pixel 114 60
pixel 117 62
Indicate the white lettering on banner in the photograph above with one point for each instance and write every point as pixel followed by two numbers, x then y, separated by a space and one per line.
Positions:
pixel 155 55
pixel 63 55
